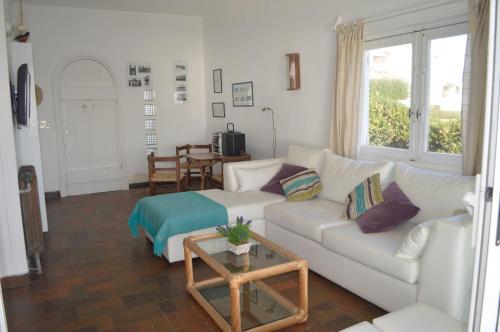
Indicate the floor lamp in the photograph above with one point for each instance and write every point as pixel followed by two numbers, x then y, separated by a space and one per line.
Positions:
pixel 267 109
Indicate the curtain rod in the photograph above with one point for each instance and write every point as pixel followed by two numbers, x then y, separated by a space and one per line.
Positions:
pixel 414 31
pixel 408 11
pixel 397 13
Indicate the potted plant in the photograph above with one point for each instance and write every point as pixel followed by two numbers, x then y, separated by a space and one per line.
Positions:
pixel 238 236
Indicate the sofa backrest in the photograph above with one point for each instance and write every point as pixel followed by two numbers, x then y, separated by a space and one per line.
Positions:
pixel 306 157
pixel 340 175
pixel 436 194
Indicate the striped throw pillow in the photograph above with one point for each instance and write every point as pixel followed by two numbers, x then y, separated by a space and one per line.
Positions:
pixel 302 186
pixel 366 195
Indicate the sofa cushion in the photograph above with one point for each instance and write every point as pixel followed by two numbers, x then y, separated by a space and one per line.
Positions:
pixel 252 179
pixel 395 210
pixel 287 170
pixel 340 175
pixel 414 243
pixel 417 318
pixel 307 218
pixel 366 195
pixel 306 157
pixel 436 194
pixel 249 205
pixel 373 250
pixel 302 186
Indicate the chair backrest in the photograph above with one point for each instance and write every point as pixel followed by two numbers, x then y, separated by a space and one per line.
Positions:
pixel 207 147
pixel 152 160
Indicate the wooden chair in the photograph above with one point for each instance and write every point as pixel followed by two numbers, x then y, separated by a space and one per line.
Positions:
pixel 165 175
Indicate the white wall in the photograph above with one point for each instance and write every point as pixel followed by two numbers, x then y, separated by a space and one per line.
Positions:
pixel 120 37
pixel 12 249
pixel 249 40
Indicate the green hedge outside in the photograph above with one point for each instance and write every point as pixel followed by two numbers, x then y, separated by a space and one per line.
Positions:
pixel 389 122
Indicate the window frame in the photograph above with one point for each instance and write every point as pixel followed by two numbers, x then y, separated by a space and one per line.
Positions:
pixel 420 87
pixel 427 37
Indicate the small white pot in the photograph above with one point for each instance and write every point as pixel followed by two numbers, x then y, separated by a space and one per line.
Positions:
pixel 238 250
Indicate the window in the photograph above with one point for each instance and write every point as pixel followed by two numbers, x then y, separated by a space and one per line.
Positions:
pixel 413 95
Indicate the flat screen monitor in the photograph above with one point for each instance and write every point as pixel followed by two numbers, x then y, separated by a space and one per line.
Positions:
pixel 23 111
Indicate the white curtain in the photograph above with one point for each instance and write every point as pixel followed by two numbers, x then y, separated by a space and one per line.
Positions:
pixel 475 87
pixel 344 130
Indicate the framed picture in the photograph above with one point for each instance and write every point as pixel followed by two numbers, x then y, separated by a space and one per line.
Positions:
pixel 180 82
pixel 217 76
pixel 218 110
pixel 243 94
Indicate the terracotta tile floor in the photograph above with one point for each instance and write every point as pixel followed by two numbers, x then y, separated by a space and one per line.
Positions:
pixel 98 278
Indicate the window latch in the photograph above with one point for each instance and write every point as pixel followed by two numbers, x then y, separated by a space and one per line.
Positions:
pixel 410 113
pixel 418 114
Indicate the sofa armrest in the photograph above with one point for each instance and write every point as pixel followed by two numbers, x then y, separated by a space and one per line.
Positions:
pixel 230 178
pixel 446 266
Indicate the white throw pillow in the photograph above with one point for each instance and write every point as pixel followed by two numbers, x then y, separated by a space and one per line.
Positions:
pixel 306 157
pixel 341 175
pixel 436 194
pixel 414 244
pixel 252 179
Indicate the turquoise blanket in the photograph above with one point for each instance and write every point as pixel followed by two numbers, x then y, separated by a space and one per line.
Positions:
pixel 164 216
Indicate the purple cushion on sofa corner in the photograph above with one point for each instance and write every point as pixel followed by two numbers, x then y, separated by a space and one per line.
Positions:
pixel 274 185
pixel 395 210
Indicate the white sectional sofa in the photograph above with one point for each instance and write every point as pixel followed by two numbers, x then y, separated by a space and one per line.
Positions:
pixel 365 263
pixel 337 249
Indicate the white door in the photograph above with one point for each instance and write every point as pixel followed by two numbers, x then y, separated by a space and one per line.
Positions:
pixel 3 321
pixel 485 304
pixel 90 129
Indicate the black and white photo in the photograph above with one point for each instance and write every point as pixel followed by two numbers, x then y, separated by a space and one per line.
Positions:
pixel 134 82
pixel 144 69
pixel 132 70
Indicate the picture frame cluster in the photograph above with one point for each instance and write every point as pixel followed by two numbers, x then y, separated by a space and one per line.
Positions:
pixel 242 94
pixel 140 75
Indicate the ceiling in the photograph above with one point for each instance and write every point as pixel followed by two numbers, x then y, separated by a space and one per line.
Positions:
pixel 177 7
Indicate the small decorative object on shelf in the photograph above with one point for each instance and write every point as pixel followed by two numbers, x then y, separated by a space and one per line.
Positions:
pixel 293 75
pixel 238 236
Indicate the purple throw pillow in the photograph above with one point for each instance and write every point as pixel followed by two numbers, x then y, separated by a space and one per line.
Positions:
pixel 395 210
pixel 274 185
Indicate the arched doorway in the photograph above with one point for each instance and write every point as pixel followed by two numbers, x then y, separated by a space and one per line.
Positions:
pixel 88 121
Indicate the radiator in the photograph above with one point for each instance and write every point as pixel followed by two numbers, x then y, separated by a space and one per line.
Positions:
pixel 32 220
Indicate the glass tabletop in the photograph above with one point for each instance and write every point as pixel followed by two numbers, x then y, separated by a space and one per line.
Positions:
pixel 259 256
pixel 256 306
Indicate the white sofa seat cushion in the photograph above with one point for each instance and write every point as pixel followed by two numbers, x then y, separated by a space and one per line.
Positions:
pixel 340 175
pixel 436 194
pixel 373 250
pixel 361 327
pixel 306 218
pixel 417 318
pixel 250 205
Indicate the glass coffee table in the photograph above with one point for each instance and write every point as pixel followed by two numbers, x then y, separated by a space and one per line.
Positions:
pixel 238 299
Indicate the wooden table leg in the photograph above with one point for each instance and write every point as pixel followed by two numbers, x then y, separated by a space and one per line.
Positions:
pixel 234 288
pixel 202 177
pixel 303 296
pixel 188 265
